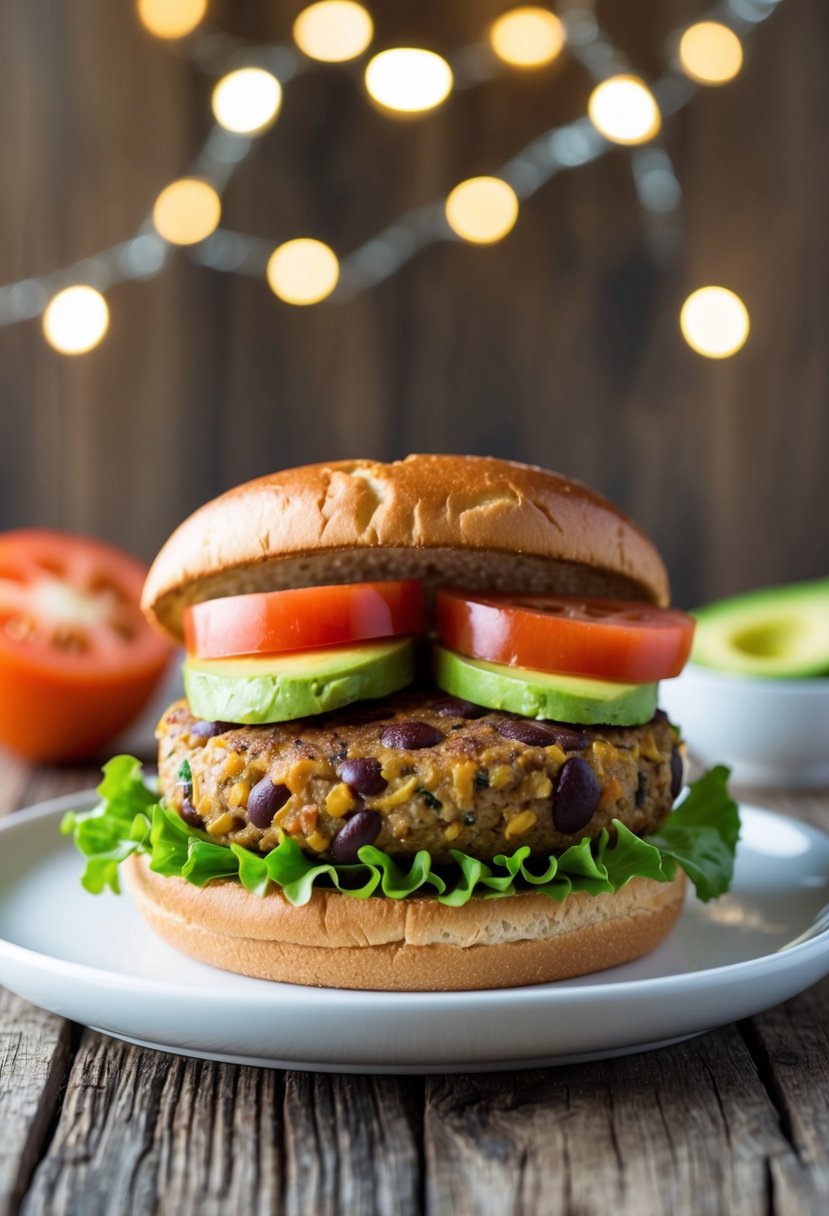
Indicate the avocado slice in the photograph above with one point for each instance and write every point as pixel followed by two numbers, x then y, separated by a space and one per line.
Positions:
pixel 776 631
pixel 540 694
pixel 278 688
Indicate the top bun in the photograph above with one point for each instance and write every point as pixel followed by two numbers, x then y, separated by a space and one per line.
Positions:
pixel 469 521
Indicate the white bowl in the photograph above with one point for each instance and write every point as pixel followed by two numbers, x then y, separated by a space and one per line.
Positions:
pixel 770 732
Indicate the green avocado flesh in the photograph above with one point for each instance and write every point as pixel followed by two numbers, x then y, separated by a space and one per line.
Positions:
pixel 277 688
pixel 779 632
pixel 539 694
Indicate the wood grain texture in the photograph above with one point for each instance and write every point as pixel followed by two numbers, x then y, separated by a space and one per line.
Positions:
pixel 559 345
pixel 687 1130
pixel 352 1145
pixel 35 1052
pixel 146 1133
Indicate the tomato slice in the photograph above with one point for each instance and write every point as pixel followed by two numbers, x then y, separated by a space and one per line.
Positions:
pixel 305 618
pixel 621 640
pixel 77 658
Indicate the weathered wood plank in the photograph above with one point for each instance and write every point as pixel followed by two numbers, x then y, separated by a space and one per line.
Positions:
pixel 352 1145
pixel 147 1133
pixel 687 1130
pixel 35 1050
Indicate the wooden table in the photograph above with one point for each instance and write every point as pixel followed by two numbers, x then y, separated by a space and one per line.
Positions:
pixel 734 1121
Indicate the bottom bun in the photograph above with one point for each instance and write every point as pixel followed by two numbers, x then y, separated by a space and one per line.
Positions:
pixel 412 945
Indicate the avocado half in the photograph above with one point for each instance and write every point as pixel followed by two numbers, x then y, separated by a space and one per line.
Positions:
pixel 778 632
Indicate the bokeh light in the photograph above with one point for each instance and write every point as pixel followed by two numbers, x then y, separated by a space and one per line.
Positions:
pixel 187 211
pixel 171 18
pixel 75 320
pixel 623 110
pixel 527 37
pixel 333 30
pixel 482 209
pixel 247 101
pixel 303 271
pixel 714 322
pixel 710 53
pixel 408 80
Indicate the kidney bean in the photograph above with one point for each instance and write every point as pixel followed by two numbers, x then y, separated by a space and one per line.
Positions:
pixel 411 736
pixel 576 796
pixel 209 730
pixel 455 707
pixel 190 815
pixel 676 773
pixel 360 827
pixel 542 734
pixel 362 775
pixel 264 801
pixel 659 715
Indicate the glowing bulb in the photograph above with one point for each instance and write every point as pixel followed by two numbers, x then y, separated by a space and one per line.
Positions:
pixel 187 211
pixel 303 271
pixel 408 80
pixel 710 53
pixel 624 110
pixel 171 18
pixel 482 209
pixel 527 37
pixel 247 101
pixel 714 322
pixel 76 320
pixel 333 30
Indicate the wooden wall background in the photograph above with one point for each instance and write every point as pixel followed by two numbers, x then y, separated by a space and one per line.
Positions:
pixel 558 346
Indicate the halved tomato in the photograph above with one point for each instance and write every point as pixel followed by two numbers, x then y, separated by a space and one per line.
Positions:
pixel 307 618
pixel 77 658
pixel 621 640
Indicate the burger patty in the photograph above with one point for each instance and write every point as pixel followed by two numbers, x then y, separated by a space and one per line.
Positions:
pixel 418 770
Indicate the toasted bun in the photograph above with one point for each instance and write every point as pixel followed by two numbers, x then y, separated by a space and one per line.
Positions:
pixel 413 945
pixel 472 521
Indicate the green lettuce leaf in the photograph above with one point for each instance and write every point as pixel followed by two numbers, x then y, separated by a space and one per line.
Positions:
pixel 700 836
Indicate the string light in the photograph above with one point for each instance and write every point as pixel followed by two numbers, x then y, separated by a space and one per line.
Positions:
pixel 333 31
pixel 171 18
pixel 247 101
pixel 75 320
pixel 482 209
pixel 408 80
pixel 187 211
pixel 527 37
pixel 714 322
pixel 710 53
pixel 623 110
pixel 303 271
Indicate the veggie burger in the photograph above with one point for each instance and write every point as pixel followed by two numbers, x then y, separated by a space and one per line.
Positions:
pixel 421 747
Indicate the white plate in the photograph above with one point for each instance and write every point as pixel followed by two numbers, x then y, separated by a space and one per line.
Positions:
pixel 92 959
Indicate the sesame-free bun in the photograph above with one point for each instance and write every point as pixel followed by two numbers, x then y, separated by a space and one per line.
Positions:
pixel 411 945
pixel 470 521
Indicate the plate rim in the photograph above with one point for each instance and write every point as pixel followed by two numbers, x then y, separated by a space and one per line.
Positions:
pixel 786 956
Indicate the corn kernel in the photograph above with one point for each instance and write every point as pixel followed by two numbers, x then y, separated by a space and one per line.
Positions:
pixel 339 800
pixel 238 794
pixel 463 779
pixel 402 794
pixel 301 773
pixel 520 824
pixel 233 765
pixel 537 785
pixel 649 749
pixel 318 842
pixel 500 776
pixel 452 832
pixel 554 754
pixel 204 806
pixel 221 825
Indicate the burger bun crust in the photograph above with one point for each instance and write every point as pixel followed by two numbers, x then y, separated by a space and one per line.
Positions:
pixel 337 941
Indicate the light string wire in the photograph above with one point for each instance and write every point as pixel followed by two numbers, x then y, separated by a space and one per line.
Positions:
pixel 561 148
